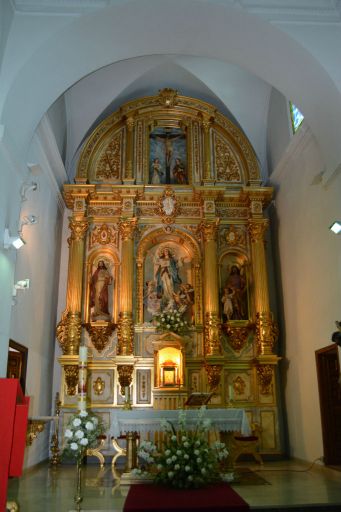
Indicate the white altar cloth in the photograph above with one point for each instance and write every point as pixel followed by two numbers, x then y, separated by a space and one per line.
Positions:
pixel 149 420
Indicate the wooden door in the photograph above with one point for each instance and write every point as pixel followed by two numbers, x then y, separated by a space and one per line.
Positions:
pixel 17 363
pixel 328 371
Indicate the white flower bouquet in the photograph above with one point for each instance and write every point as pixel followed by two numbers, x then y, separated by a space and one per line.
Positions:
pixel 171 321
pixel 82 432
pixel 187 460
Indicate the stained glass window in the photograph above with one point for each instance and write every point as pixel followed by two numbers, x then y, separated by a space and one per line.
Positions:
pixel 296 117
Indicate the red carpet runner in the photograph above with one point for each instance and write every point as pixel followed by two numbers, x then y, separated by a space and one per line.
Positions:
pixel 215 498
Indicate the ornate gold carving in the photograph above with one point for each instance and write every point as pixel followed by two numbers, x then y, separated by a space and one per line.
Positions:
pixel 226 163
pixel 181 109
pixel 265 373
pixel 130 123
pixel 100 334
pixel 213 372
pixel 196 153
pixel 98 386
pixel 71 379
pixel 78 229
pixel 209 207
pixel 110 162
pixel 127 228
pixel 257 229
pixel 105 211
pixel 209 230
pixel 198 288
pixel 168 97
pixel 68 332
pixel 79 205
pixel 256 207
pixel 125 375
pixel 103 235
pixel 167 206
pixel 212 334
pixel 125 334
pixel 139 279
pixel 245 147
pixel 237 336
pixel 139 150
pixel 266 333
pixel 231 213
pixel 234 236
pixel 34 427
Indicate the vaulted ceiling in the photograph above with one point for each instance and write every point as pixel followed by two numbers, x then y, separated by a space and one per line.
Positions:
pixel 79 60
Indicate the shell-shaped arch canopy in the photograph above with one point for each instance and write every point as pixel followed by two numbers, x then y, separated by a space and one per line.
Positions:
pixel 168 139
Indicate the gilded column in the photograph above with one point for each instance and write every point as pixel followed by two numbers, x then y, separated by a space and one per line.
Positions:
pixel 266 331
pixel 129 176
pixel 69 328
pixel 211 290
pixel 206 124
pixel 125 323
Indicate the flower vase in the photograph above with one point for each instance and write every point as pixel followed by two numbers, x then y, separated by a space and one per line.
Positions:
pixel 78 497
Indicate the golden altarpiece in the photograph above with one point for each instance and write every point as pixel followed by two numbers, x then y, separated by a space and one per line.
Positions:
pixel 167 223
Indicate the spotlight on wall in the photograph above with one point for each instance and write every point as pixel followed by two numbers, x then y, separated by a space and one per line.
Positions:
pixel 336 227
pixel 29 220
pixel 23 284
pixel 15 241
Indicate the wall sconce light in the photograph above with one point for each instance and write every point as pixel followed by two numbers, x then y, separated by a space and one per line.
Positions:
pixel 336 227
pixel 15 241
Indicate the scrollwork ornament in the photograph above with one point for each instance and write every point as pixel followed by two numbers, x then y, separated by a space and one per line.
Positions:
pixel 103 235
pixel 100 334
pixel 125 375
pixel 98 386
pixel 68 332
pixel 71 379
pixel 265 374
pixel 168 97
pixel 257 230
pixel 125 335
pixel 237 336
pixel 213 372
pixel 167 206
pixel 212 334
pixel 78 229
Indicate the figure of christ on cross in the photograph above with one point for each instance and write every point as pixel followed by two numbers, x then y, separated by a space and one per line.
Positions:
pixel 167 137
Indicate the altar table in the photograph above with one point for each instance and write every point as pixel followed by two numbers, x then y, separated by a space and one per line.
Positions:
pixel 214 498
pixel 149 420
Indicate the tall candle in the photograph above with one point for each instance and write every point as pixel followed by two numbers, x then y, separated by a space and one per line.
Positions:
pixel 83 354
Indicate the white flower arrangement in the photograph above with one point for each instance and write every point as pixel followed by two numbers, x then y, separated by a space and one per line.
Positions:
pixel 171 321
pixel 186 460
pixel 82 432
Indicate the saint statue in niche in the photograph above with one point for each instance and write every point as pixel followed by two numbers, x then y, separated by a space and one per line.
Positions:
pixel 100 281
pixel 168 157
pixel 167 287
pixel 234 296
pixel 166 268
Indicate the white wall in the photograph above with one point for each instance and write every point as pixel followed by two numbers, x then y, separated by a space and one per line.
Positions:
pixel 12 175
pixel 33 318
pixel 310 262
pixel 278 129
